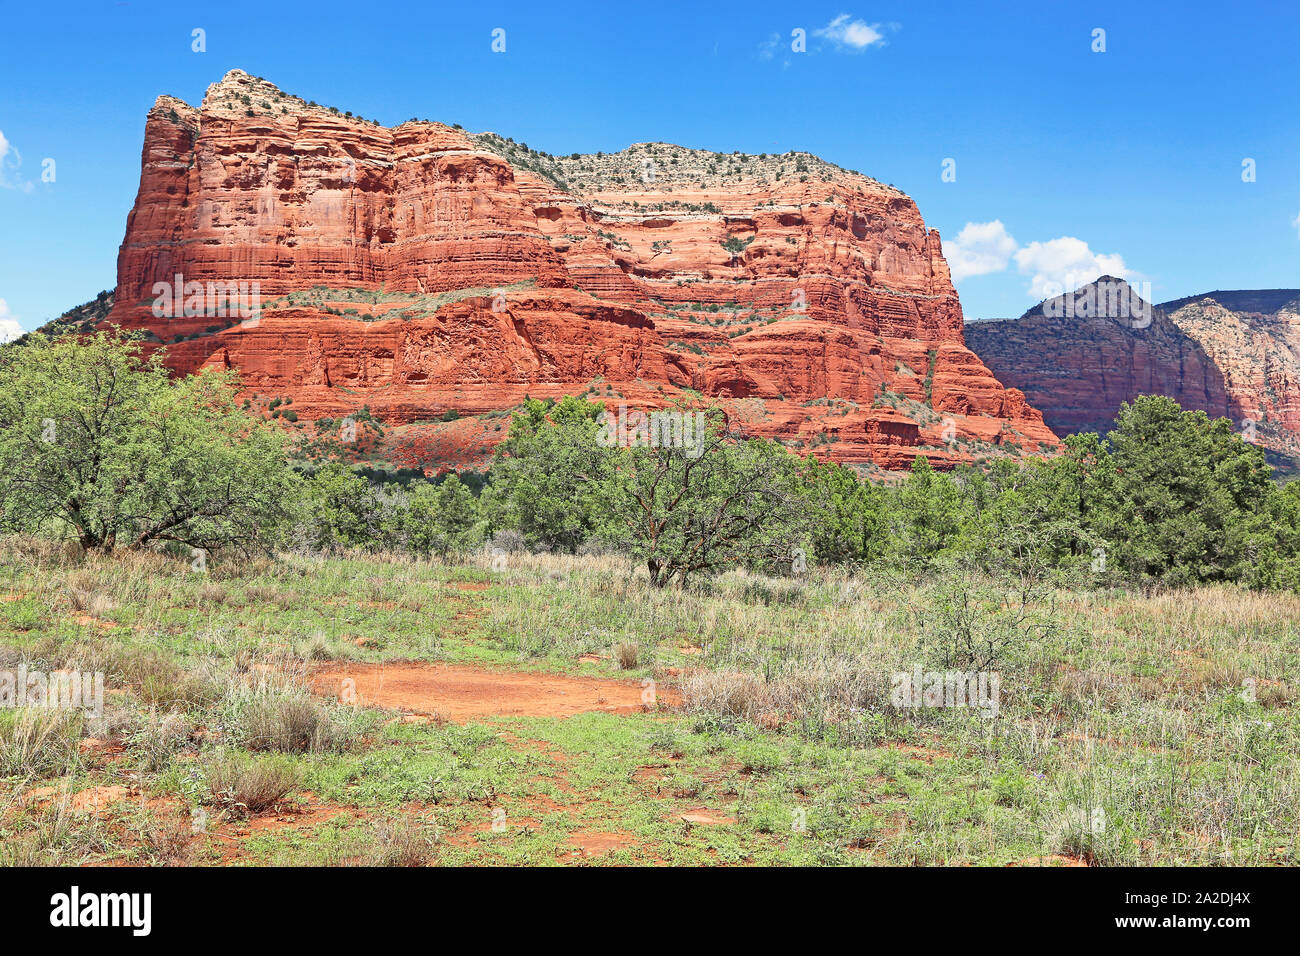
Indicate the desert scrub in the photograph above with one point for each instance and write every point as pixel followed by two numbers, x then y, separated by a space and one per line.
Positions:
pixel 24 614
pixel 39 742
pixel 240 784
pixel 973 622
pixel 625 653
pixel 402 841
pixel 53 835
pixel 278 714
pixel 832 698
pixel 158 738
pixel 1173 713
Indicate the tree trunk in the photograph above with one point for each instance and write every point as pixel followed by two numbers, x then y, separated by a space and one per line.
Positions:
pixel 657 576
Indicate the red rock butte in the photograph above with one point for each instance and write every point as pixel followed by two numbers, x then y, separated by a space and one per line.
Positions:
pixel 420 269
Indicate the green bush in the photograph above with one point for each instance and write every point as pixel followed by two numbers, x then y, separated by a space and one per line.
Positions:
pixel 98 442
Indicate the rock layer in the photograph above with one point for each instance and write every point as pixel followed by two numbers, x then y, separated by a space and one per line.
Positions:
pixel 1227 353
pixel 1253 338
pixel 419 269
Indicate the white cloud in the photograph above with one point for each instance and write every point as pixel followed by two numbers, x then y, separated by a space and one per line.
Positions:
pixel 9 327
pixel 10 160
pixel 1054 266
pixel 980 248
pixel 767 49
pixel 855 35
pixel 1296 222
pixel 1065 263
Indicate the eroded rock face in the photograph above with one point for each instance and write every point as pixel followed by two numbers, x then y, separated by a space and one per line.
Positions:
pixel 1233 354
pixel 1079 364
pixel 1255 343
pixel 419 269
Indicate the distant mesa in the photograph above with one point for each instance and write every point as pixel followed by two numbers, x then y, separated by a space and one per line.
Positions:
pixel 1229 353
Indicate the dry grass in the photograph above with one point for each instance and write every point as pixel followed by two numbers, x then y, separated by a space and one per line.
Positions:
pixel 167 841
pixel 213 595
pixel 625 654
pixel 159 738
pixel 53 835
pixel 402 841
pixel 1136 703
pixel 242 785
pixel 89 601
pixel 38 741
pixel 278 712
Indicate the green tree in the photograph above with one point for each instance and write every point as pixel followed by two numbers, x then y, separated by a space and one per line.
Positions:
pixel 98 441
pixel 736 502
pixel 341 509
pixel 545 475
pixel 846 514
pixel 926 515
pixel 456 522
pixel 414 525
pixel 1191 500
pixel 1020 521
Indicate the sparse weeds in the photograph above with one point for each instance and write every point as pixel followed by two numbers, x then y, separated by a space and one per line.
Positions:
pixel 277 714
pixel 38 741
pixel 241 785
pixel 402 841
pixel 158 738
pixel 625 654
pixel 1169 712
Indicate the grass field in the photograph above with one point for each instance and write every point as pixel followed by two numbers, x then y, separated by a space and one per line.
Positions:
pixel 372 711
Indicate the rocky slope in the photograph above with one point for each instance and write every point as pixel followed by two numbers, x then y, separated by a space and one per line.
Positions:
pixel 1228 353
pixel 1253 338
pixel 420 270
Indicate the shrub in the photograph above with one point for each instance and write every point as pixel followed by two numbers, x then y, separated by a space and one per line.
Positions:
pixel 242 785
pixel 39 741
pixel 54 836
pixel 401 841
pixel 89 601
pixel 100 441
pixel 287 718
pixel 158 738
pixel 24 614
pixel 162 683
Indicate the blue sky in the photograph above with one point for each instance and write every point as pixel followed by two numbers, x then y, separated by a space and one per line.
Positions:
pixel 1066 160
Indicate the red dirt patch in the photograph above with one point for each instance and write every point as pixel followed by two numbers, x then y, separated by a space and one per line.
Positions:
pixel 87 620
pixel 227 838
pixel 705 817
pixel 919 753
pixel 461 693
pixel 593 843
pixel 91 800
pixel 105 750
pixel 99 798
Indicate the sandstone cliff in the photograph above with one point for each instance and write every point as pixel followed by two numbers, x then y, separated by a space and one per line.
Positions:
pixel 1228 353
pixel 419 270
pixel 1253 338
